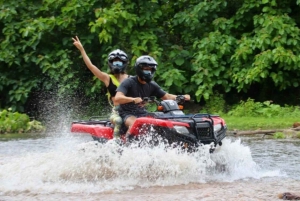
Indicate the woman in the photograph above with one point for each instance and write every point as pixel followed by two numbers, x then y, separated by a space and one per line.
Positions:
pixel 117 62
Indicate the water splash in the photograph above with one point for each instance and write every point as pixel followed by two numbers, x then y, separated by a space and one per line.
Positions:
pixel 70 165
pixel 234 161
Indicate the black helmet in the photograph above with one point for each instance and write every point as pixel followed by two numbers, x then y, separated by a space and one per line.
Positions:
pixel 117 66
pixel 145 61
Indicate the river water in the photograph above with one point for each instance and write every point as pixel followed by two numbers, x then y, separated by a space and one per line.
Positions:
pixel 64 166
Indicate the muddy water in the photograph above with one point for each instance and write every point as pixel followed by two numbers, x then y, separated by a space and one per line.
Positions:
pixel 62 166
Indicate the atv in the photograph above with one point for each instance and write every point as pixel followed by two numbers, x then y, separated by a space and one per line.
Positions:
pixel 168 123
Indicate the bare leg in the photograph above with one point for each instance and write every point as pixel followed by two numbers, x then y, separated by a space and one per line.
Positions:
pixel 117 121
pixel 129 122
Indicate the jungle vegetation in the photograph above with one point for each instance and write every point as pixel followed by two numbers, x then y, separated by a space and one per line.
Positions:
pixel 239 49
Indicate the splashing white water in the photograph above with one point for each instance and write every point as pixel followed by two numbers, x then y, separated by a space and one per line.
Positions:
pixel 70 166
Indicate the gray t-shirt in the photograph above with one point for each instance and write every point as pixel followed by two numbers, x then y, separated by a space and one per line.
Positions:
pixel 131 87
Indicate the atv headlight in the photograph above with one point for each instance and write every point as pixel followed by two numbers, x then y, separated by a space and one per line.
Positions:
pixel 181 129
pixel 217 127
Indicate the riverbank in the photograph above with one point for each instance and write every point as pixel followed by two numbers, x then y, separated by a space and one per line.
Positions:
pixel 274 133
pixel 267 127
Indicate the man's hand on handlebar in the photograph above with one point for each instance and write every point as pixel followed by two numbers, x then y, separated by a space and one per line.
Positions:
pixel 180 99
pixel 137 100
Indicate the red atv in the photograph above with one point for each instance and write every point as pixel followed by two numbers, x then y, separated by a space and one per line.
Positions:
pixel 168 123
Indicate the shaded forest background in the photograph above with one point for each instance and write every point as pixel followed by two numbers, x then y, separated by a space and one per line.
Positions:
pixel 233 50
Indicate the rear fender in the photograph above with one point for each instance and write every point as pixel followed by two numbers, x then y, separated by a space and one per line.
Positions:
pixel 98 131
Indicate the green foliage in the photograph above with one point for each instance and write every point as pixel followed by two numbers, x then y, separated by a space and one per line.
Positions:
pixel 201 46
pixel 211 62
pixel 251 108
pixel 98 107
pixel 215 105
pixel 269 50
pixel 246 108
pixel 34 126
pixel 14 122
pixel 35 53
pixel 279 135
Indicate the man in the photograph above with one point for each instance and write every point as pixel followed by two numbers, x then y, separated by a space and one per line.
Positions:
pixel 117 62
pixel 131 91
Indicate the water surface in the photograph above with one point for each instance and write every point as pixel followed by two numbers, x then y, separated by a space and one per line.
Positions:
pixel 64 166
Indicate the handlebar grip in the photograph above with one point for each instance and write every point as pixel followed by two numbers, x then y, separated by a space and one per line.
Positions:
pixel 146 99
pixel 180 99
pixel 149 99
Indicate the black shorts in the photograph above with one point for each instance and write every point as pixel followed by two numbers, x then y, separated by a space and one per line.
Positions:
pixel 131 115
pixel 128 110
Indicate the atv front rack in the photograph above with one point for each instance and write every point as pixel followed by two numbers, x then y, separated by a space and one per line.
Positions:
pixel 201 126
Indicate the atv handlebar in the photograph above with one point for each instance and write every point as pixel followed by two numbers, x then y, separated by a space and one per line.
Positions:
pixel 150 99
pixel 180 99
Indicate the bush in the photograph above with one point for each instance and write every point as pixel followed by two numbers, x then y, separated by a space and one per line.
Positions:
pixel 250 108
pixel 279 135
pixel 15 122
pixel 215 104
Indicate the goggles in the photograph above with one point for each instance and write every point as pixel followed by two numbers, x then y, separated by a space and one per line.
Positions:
pixel 120 56
pixel 145 65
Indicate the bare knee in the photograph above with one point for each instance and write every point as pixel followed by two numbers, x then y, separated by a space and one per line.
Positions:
pixel 129 121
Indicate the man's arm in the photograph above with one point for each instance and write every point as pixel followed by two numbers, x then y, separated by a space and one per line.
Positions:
pixel 120 98
pixel 173 97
